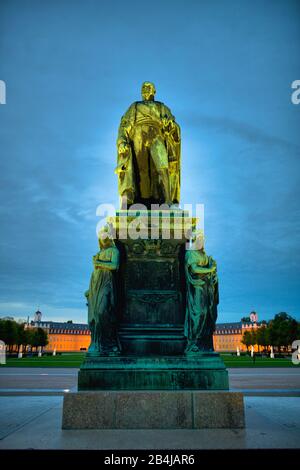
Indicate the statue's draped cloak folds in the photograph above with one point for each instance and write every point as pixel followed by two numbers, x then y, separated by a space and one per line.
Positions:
pixel 146 129
pixel 102 299
pixel 202 300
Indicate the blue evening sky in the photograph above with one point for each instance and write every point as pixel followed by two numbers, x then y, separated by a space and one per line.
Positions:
pixel 224 68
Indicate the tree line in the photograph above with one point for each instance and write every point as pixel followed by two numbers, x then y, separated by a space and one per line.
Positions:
pixel 279 333
pixel 16 335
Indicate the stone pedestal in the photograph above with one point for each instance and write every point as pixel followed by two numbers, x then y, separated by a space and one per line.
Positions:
pixel 151 280
pixel 153 410
pixel 206 371
pixel 151 311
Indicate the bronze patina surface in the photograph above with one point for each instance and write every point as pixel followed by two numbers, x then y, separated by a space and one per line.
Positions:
pixel 153 295
pixel 148 147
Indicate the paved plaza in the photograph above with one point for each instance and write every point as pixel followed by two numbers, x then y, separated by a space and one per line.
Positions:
pixel 31 413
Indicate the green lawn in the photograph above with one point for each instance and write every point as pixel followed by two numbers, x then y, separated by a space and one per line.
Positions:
pixel 75 359
pixel 247 361
pixel 64 360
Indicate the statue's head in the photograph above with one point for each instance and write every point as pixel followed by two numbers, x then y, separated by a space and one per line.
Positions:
pixel 148 91
pixel 198 240
pixel 104 238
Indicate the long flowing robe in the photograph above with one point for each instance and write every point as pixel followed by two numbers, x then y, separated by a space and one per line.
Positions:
pixel 201 303
pixel 102 302
pixel 152 147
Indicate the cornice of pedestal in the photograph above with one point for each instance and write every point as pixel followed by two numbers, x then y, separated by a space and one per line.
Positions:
pixel 153 224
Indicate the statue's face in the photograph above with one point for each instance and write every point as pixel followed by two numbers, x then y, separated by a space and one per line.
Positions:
pixel 104 240
pixel 148 91
pixel 198 242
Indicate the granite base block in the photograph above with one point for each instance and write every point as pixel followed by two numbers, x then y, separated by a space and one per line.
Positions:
pixel 153 410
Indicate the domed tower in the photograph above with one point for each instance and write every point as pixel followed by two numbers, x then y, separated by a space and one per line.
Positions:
pixel 38 316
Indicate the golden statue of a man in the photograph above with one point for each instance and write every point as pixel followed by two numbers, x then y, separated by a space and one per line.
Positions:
pixel 148 153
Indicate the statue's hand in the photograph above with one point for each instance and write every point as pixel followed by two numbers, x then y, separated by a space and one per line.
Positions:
pixel 165 121
pixel 168 123
pixel 95 261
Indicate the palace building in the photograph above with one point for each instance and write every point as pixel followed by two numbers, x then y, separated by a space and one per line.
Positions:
pixel 228 336
pixel 72 337
pixel 65 336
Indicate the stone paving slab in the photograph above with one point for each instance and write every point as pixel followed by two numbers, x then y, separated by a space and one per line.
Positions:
pixel 35 423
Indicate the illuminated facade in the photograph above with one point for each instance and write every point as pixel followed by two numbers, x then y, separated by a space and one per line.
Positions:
pixel 65 336
pixel 71 337
pixel 228 336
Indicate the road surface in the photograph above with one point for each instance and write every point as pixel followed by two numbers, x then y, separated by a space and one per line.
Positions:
pixel 62 379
